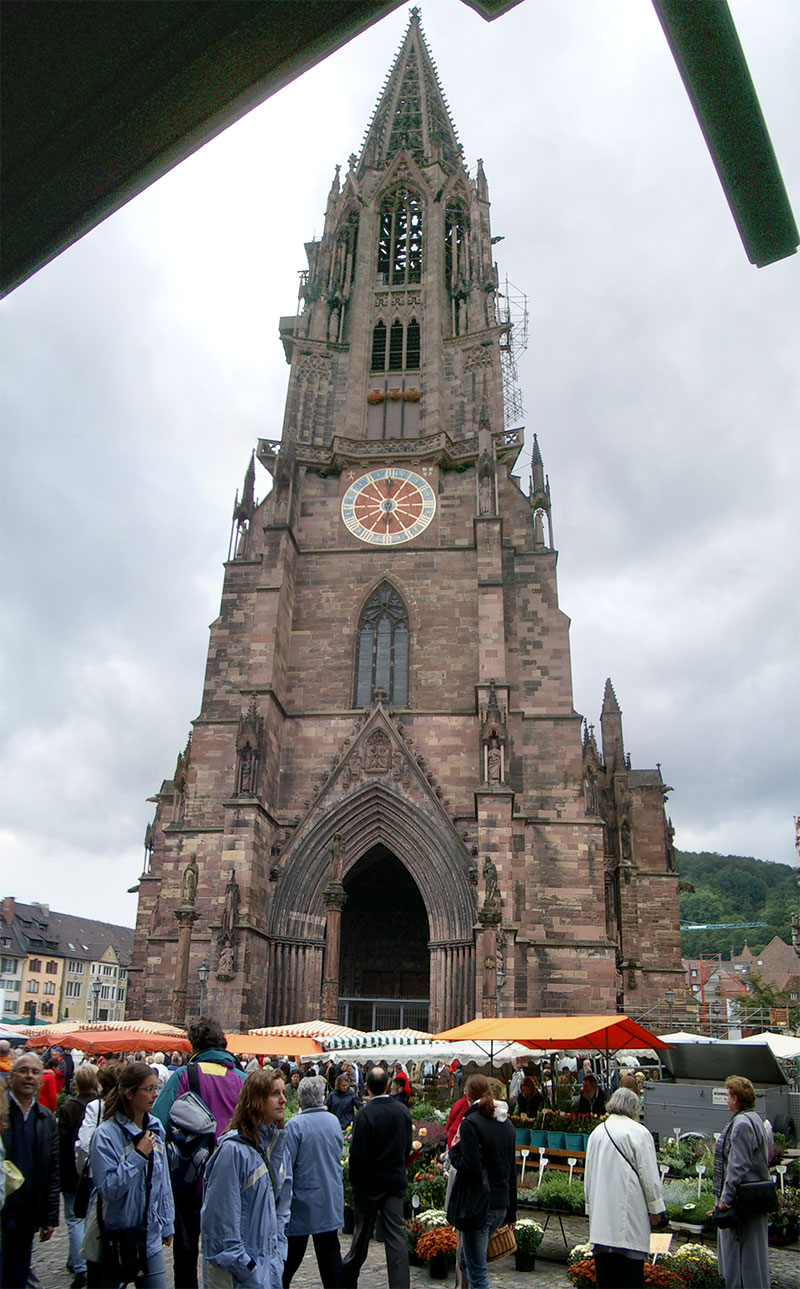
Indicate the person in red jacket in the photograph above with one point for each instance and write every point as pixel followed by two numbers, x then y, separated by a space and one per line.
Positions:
pixel 48 1092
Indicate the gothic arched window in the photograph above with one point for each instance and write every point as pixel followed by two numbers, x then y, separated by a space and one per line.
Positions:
pixel 400 239
pixel 378 347
pixel 382 648
pixel 403 349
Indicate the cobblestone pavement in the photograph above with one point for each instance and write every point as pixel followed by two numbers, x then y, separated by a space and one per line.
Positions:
pixel 50 1259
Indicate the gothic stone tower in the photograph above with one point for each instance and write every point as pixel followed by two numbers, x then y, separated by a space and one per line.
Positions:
pixel 393 814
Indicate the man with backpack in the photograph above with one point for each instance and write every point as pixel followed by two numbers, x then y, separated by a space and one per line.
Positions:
pixel 211 1082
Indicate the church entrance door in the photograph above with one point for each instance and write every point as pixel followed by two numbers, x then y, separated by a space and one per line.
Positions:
pixel 384 978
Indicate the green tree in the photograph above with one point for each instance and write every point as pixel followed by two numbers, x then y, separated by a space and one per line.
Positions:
pixel 761 996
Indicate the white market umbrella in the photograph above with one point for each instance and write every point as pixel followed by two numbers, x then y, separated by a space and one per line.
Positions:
pixel 784 1046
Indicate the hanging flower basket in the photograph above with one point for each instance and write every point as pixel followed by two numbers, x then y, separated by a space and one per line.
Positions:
pixel 412 396
pixel 374 397
pixel 394 394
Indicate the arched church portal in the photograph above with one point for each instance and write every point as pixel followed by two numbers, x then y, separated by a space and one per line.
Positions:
pixel 384 975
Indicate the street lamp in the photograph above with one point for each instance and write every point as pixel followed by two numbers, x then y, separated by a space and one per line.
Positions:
pixel 96 987
pixel 670 1001
pixel 203 973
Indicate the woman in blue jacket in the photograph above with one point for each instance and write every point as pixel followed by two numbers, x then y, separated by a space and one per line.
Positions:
pixel 127 1150
pixel 314 1141
pixel 248 1192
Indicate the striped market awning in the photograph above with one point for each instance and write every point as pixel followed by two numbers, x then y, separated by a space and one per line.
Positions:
pixel 322 1030
pixel 379 1038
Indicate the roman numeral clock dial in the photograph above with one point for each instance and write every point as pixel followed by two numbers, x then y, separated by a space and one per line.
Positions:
pixel 389 506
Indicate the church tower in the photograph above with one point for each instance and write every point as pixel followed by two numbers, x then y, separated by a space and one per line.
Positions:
pixel 387 813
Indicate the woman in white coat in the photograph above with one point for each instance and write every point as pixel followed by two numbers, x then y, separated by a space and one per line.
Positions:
pixel 623 1193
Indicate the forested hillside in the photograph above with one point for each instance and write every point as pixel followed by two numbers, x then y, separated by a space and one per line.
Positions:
pixel 734 888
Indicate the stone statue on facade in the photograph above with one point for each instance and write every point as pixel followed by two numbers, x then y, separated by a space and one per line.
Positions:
pixel 189 883
pixel 490 881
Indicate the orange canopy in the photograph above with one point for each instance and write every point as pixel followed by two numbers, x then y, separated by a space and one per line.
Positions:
pixel 95 1042
pixel 556 1033
pixel 272 1045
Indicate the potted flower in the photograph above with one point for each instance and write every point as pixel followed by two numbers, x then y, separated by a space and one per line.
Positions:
pixel 438 1248
pixel 529 1235
pixel 784 1225
pixel 696 1265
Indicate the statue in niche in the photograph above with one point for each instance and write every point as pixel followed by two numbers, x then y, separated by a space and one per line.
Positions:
pixel 486 495
pixel 189 883
pixel 625 844
pixel 231 907
pixel 494 760
pixel 490 881
pixel 248 771
pixel 226 969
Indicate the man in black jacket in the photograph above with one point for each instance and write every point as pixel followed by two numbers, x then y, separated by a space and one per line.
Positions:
pixel 378 1153
pixel 31 1142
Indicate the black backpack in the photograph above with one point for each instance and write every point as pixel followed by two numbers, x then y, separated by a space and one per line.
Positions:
pixel 191 1134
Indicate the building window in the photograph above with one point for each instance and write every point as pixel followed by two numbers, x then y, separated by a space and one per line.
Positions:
pixel 48 987
pixel 108 971
pixel 33 986
pixel 11 1006
pixel 8 966
pixel 400 239
pixel 404 346
pixel 75 967
pixel 379 348
pixel 46 1009
pixel 35 964
pixel 106 992
pixel 382 648
pixel 73 989
pixel 123 975
pixel 120 995
pixel 52 968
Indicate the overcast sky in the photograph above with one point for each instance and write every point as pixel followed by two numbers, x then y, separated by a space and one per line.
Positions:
pixel 139 369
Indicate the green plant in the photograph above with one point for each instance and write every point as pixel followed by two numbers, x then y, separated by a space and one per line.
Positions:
pixel 558 1192
pixel 424 1112
pixel 429 1183
pixel 529 1234
pixel 684 1204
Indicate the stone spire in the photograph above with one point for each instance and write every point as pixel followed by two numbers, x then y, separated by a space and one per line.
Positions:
pixel 412 112
pixel 539 496
pixel 611 727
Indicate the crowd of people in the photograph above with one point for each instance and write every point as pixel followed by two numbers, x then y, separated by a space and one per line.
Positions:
pixel 195 1153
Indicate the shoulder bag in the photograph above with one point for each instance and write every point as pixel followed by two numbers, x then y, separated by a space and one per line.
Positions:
pixel 757 1197
pixel 467 1202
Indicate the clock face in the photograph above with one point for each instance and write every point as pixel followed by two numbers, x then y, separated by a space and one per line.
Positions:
pixel 388 506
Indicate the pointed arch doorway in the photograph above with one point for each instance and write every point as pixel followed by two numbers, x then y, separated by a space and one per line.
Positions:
pixel 384 967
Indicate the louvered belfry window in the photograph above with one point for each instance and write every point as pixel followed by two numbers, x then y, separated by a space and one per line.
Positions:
pixel 400 239
pixel 382 648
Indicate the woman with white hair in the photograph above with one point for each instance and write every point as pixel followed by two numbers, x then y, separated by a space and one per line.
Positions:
pixel 314 1146
pixel 623 1193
